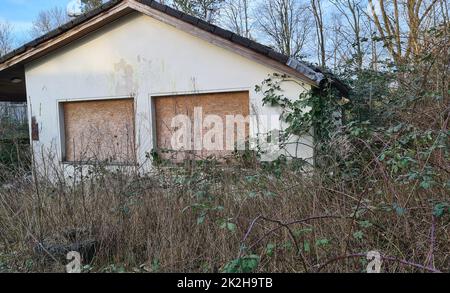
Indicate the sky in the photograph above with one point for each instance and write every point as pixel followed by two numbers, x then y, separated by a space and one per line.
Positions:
pixel 21 13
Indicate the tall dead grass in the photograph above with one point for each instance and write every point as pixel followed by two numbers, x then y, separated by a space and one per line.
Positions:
pixel 199 218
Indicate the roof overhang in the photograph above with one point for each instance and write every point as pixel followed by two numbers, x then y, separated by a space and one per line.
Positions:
pixel 12 64
pixel 12 84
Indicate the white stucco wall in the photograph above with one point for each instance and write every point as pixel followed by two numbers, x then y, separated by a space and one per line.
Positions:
pixel 141 57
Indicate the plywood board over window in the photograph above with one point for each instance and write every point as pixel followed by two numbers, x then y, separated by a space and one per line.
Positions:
pixel 100 131
pixel 219 104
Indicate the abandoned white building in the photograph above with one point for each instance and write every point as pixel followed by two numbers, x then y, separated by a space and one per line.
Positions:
pixel 115 77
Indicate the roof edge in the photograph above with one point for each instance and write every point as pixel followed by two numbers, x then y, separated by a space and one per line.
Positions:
pixel 314 74
pixel 59 30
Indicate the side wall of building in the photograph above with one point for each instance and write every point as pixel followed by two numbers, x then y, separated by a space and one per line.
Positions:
pixel 140 57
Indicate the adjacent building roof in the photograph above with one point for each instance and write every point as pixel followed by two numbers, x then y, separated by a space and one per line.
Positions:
pixel 312 73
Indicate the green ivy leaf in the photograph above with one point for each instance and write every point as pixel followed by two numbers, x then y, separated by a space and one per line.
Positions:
pixel 226 224
pixel 252 194
pixel 299 232
pixel 201 219
pixel 399 210
pixel 365 224
pixel 270 249
pixel 440 209
pixel 246 264
pixel 231 227
pixel 306 246
pixel 322 242
pixel 425 184
pixel 269 194
pixel 358 235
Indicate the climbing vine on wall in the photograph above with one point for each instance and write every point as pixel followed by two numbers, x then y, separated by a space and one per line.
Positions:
pixel 317 111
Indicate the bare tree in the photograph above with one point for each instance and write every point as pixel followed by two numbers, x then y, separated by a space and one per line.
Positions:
pixel 339 46
pixel 316 8
pixel 237 17
pixel 6 38
pixel 48 20
pixel 400 23
pixel 207 10
pixel 286 23
pixel 354 34
pixel 91 4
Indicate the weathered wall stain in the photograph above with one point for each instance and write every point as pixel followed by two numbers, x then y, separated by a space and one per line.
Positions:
pixel 124 74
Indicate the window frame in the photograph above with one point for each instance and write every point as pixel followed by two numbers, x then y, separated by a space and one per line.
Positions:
pixel 62 137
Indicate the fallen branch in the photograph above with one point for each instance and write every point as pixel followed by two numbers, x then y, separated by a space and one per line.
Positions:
pixel 292 223
pixel 281 225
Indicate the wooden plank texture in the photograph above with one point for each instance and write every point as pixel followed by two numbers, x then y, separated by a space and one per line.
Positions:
pixel 220 104
pixel 100 131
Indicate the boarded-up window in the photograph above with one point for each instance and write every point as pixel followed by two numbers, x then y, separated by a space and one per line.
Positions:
pixel 218 104
pixel 101 130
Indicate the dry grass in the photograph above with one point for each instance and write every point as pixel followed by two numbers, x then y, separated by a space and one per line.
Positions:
pixel 198 219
